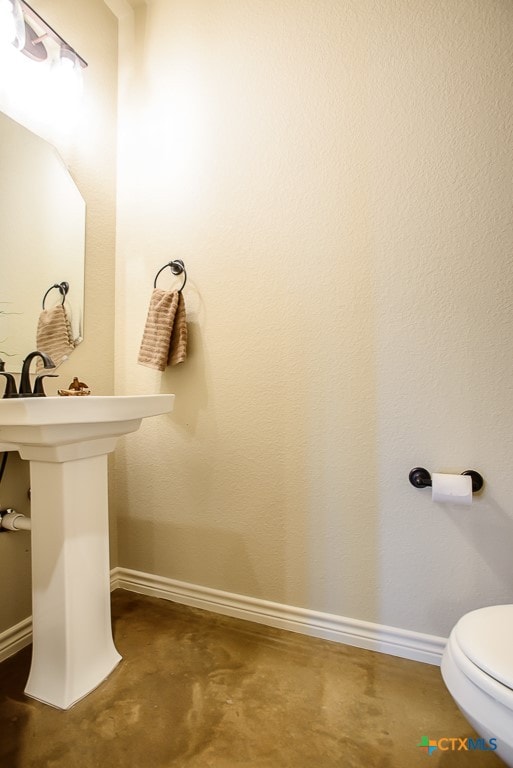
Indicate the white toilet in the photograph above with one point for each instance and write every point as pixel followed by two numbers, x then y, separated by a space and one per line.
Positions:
pixel 477 668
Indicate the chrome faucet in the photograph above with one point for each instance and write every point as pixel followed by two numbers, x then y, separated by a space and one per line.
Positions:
pixel 25 386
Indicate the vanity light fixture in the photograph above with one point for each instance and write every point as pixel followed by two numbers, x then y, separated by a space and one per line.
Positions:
pixel 37 39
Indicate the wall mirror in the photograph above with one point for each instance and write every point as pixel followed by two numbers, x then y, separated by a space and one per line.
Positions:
pixel 42 241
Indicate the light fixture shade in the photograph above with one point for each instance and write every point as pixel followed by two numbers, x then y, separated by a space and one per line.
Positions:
pixel 34 47
pixel 69 59
pixel 12 22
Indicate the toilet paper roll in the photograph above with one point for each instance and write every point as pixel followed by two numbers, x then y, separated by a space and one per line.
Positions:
pixel 455 489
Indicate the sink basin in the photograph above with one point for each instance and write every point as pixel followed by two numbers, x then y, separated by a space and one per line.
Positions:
pixel 53 421
pixel 66 440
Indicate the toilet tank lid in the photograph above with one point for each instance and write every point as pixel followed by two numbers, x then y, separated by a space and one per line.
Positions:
pixel 486 638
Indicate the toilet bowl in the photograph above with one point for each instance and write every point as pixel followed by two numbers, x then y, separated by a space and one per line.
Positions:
pixel 477 668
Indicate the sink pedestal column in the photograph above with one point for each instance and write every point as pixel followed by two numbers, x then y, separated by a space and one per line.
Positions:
pixel 73 649
pixel 66 440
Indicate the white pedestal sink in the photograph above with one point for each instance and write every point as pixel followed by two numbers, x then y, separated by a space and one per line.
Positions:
pixel 66 440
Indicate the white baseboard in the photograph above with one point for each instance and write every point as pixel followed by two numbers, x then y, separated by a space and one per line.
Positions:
pixel 15 638
pixel 362 634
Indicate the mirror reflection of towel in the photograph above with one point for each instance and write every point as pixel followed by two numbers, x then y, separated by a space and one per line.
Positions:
pixel 54 336
pixel 164 339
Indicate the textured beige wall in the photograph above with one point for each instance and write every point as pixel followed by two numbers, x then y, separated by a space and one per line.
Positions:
pixel 337 179
pixel 90 152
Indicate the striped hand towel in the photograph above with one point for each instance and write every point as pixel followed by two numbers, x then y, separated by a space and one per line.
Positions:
pixel 54 336
pixel 165 333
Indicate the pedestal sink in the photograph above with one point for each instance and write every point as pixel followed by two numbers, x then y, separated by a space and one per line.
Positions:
pixel 66 440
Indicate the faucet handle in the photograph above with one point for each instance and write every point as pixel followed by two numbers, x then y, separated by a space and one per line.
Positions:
pixel 38 384
pixel 10 385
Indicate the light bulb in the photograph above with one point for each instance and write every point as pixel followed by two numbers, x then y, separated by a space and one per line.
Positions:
pixel 12 23
pixel 68 71
pixel 63 90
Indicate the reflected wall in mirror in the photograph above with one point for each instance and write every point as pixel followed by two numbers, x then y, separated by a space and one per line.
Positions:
pixel 42 241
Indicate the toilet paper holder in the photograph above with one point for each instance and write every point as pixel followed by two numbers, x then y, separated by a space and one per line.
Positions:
pixel 420 478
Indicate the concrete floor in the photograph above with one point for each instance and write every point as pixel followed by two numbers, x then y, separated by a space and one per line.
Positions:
pixel 196 690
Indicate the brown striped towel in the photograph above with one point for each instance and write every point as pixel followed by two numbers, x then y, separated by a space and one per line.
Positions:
pixel 54 336
pixel 165 333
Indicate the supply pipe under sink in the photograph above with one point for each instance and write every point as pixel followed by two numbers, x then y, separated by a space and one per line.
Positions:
pixel 10 520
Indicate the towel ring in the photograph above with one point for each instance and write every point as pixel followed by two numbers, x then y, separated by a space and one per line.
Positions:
pixel 177 268
pixel 63 288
